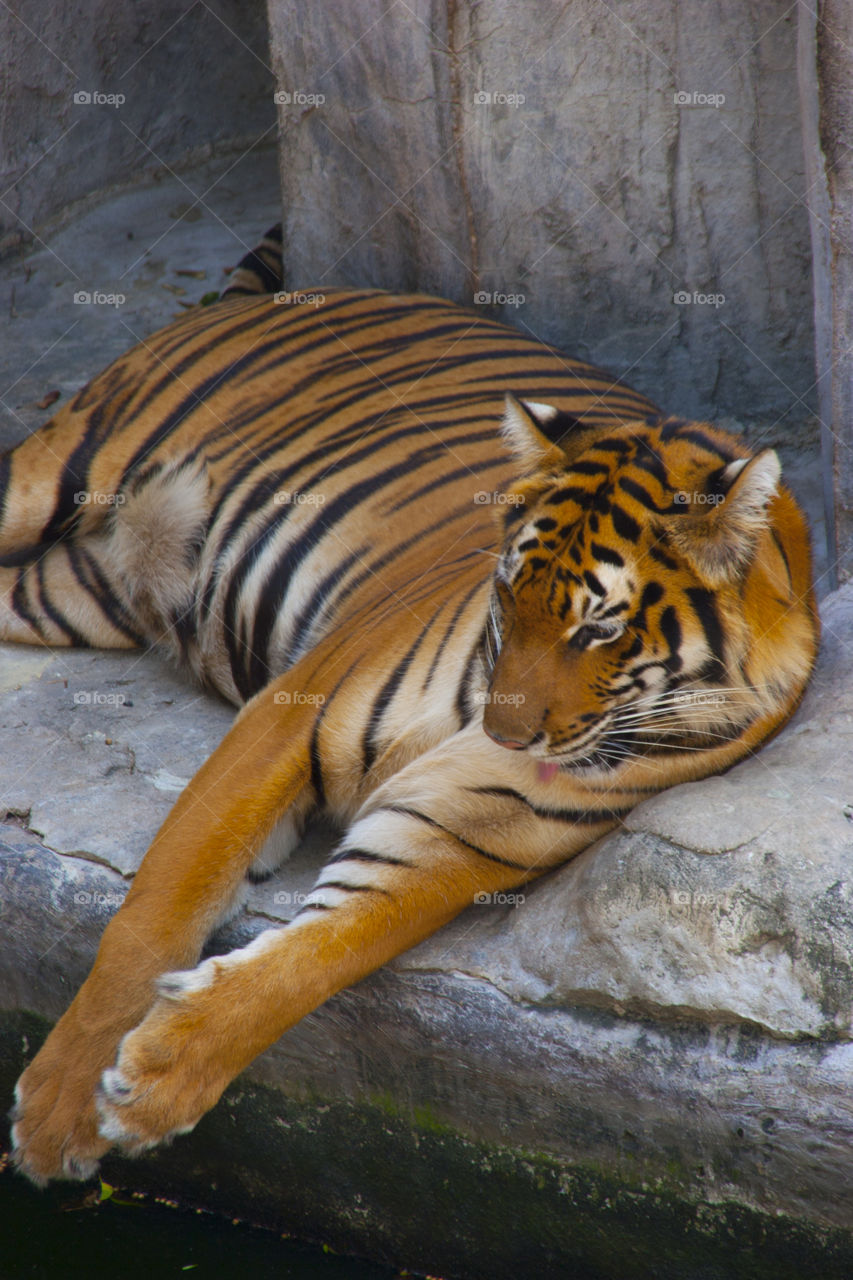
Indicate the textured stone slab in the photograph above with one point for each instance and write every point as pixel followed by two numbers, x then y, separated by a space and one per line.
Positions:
pixel 669 1012
pixel 624 182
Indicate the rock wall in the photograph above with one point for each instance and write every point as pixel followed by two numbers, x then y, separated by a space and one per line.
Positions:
pixel 625 182
pixel 95 95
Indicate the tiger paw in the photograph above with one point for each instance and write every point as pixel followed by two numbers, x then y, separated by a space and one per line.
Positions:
pixel 165 1078
pixel 55 1124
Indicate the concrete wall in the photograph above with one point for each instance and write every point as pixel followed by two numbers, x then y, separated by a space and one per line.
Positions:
pixel 601 162
pixel 193 80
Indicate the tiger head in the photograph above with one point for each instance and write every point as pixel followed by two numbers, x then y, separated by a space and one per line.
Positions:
pixel 653 592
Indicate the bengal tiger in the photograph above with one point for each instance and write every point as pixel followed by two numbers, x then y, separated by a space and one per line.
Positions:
pixel 476 600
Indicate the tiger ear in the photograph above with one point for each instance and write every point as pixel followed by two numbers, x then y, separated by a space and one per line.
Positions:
pixel 522 430
pixel 721 542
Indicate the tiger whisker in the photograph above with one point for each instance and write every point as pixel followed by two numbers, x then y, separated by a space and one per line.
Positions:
pixel 652 743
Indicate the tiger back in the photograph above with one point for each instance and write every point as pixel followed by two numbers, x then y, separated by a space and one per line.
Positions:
pixel 477 600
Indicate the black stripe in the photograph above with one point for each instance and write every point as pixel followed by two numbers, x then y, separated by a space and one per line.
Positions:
pixel 449 477
pixel 314 749
pixel 431 822
pixel 679 427
pixel 585 817
pixel 649 460
pixel 657 553
pixel 103 594
pixel 366 855
pixel 570 493
pixel 350 888
pixel 595 585
pixel 588 467
pixel 625 526
pixel 611 444
pixel 369 739
pixel 176 369
pixel 5 474
pixel 705 442
pixel 50 611
pixel 606 555
pixel 21 606
pixel 266 312
pixel 270 279
pixel 705 607
pixel 372 569
pixel 448 633
pixel 303 623
pixel 463 708
pixel 269 484
pixel 671 632
pixel 639 492
pixel 774 535
pixel 289 561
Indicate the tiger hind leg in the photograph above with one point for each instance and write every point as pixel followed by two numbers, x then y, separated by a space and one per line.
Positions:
pixel 62 598
pixel 128 581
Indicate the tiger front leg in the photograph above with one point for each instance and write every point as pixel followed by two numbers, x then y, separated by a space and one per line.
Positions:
pixel 430 842
pixel 210 1022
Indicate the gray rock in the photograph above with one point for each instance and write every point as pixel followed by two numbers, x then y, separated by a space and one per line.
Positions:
pixel 665 1022
pixel 628 185
pixel 99 97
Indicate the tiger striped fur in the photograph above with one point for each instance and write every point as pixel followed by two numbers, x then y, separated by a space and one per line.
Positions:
pixel 477 600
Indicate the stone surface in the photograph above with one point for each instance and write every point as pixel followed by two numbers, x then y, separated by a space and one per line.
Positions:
pixel 590 165
pixel 133 248
pixel 669 1013
pixel 99 95
pixel 831 199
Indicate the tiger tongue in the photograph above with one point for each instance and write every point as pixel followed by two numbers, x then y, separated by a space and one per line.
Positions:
pixel 545 772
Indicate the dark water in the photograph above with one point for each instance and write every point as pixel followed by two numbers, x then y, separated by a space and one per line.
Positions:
pixel 62 1233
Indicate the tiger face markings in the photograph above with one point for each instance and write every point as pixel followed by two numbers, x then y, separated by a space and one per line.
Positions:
pixel 609 633
pixel 475 599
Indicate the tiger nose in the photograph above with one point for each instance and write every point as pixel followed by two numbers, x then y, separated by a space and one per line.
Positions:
pixel 509 743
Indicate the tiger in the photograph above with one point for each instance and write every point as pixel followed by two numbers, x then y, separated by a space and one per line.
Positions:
pixel 474 600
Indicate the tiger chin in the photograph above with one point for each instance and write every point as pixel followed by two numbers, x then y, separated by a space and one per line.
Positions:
pixel 475 690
